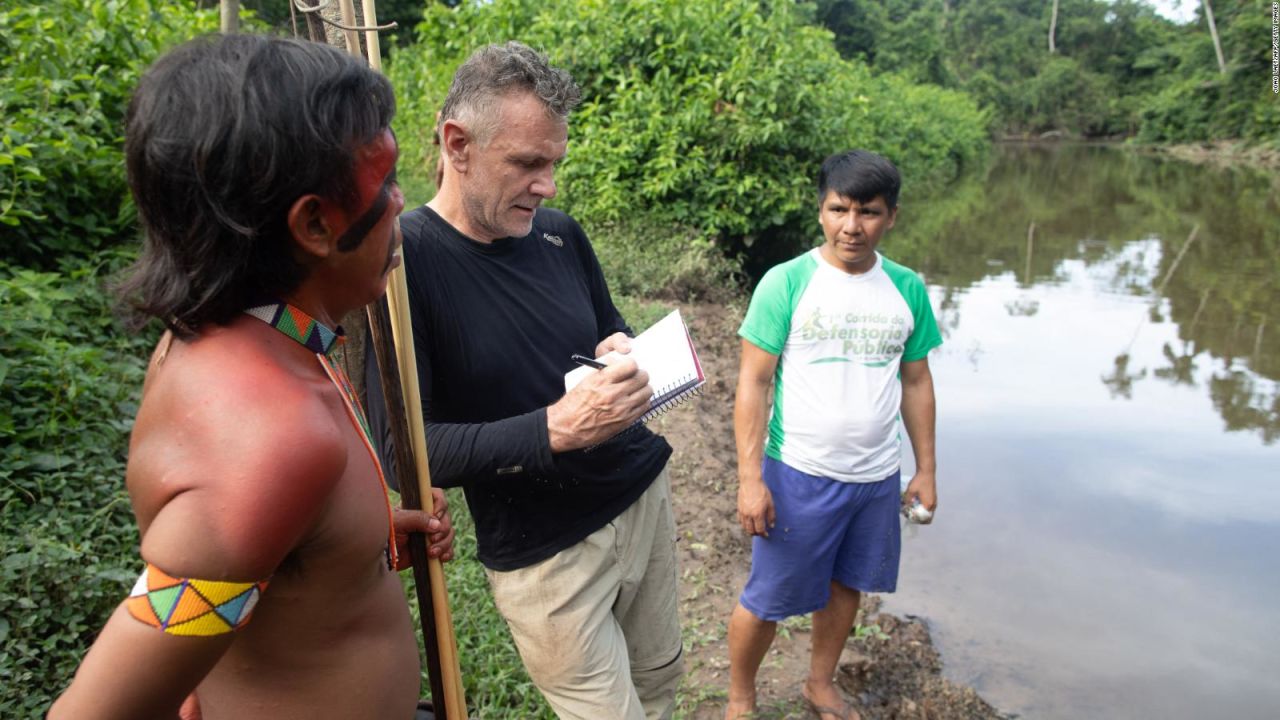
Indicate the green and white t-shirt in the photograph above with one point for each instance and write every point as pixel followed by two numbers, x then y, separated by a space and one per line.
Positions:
pixel 840 339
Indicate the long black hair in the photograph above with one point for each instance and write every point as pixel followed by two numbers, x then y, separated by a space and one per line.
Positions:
pixel 222 135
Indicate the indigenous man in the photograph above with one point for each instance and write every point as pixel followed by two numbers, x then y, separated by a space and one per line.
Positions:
pixel 264 176
pixel 573 520
pixel 830 330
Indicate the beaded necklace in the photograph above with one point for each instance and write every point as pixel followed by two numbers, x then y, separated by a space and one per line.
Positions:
pixel 321 340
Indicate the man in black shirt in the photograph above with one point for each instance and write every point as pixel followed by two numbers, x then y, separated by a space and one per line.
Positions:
pixel 572 515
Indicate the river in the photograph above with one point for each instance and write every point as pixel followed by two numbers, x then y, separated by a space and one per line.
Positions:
pixel 1109 417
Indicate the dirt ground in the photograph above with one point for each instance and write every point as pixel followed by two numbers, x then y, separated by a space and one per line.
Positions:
pixel 894 672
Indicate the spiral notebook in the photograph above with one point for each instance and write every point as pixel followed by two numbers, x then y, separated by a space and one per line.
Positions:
pixel 666 352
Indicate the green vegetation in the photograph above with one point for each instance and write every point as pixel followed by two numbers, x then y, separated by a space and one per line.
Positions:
pixel 1117 68
pixel 691 165
pixel 68 71
pixel 69 385
pixel 69 377
pixel 1200 103
pixel 712 123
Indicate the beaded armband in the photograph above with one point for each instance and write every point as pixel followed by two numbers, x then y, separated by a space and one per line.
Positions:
pixel 183 606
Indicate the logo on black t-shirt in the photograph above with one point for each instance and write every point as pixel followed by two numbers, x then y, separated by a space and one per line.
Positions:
pixel 553 239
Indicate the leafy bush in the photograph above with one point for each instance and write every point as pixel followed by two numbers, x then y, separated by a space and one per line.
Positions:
pixel 64 86
pixel 69 384
pixel 1064 95
pixel 714 121
pixel 932 134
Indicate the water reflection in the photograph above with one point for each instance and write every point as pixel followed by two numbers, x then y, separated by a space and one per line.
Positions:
pixel 1108 411
pixel 1201 245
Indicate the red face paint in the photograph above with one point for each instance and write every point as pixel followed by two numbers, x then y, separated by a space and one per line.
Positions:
pixel 366 236
pixel 375 164
pixel 374 177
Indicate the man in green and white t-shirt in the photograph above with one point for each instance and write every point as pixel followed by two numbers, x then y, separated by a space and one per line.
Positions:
pixel 842 334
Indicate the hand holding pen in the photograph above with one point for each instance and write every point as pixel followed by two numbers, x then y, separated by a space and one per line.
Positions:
pixel 599 407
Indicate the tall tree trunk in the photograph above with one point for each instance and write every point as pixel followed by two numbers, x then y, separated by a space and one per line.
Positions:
pixel 336 13
pixel 230 16
pixel 1053 27
pixel 1213 30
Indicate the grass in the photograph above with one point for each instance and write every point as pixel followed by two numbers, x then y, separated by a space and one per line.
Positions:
pixel 689 699
pixel 796 623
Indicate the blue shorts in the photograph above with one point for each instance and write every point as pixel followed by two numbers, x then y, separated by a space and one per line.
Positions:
pixel 826 531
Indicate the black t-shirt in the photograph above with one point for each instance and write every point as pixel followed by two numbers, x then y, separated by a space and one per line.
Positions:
pixel 494 327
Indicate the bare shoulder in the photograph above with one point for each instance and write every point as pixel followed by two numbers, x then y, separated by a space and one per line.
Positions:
pixel 234 455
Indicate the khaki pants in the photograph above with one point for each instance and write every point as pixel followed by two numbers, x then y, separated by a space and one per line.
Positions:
pixel 596 623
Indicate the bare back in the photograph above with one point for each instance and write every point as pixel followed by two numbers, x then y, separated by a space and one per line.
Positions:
pixel 244 463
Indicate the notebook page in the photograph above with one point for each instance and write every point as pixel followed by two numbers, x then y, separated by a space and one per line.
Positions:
pixel 664 351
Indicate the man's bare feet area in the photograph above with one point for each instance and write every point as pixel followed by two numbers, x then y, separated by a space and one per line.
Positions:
pixel 826 702
pixel 740 709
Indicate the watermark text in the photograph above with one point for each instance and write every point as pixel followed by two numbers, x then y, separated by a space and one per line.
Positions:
pixel 1275 47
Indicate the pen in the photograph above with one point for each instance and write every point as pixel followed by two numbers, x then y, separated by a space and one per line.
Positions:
pixel 588 362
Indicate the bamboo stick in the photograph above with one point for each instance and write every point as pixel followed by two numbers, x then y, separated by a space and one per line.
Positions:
pixel 448 697
pixel 380 335
pixel 351 37
pixel 454 701
pixel 371 41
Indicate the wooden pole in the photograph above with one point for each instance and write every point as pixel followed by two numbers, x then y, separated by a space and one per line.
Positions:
pixel 371 42
pixel 381 334
pixel 453 704
pixel 351 37
pixel 447 695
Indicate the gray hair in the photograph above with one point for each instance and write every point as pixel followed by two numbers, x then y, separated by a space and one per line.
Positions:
pixel 496 71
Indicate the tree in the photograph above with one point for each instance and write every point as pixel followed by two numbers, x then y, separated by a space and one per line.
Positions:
pixel 1053 26
pixel 1213 30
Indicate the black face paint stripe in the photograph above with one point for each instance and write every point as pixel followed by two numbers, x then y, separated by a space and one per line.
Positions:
pixel 351 239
